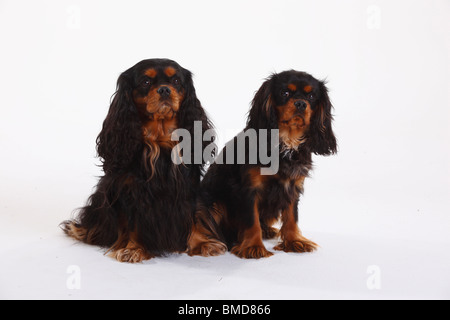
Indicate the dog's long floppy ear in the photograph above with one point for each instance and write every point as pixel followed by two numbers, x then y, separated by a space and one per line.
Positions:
pixel 121 137
pixel 262 113
pixel 322 140
pixel 191 110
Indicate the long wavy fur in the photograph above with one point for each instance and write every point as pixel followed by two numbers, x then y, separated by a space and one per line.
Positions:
pixel 142 196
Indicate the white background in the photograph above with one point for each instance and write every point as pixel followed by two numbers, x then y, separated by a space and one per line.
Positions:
pixel 383 201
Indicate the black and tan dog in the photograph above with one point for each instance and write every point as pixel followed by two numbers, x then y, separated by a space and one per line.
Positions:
pixel 144 204
pixel 237 205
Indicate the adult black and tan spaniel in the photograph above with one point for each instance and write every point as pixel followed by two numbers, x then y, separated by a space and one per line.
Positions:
pixel 238 205
pixel 144 204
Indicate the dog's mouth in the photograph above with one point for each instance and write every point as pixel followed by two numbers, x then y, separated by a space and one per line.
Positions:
pixel 166 107
pixel 166 104
pixel 159 105
pixel 162 109
pixel 165 112
pixel 297 120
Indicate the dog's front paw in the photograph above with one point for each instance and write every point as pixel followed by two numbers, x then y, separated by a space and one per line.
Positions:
pixel 209 249
pixel 298 246
pixel 131 255
pixel 251 252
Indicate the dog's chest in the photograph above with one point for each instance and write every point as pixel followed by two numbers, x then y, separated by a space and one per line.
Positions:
pixel 285 185
pixel 159 131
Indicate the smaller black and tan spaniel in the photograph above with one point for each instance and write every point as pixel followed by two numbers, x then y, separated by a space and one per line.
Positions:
pixel 238 205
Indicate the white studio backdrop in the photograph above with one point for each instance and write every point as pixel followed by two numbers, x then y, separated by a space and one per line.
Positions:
pixel 386 62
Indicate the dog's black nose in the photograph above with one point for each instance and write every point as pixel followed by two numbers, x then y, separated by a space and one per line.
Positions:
pixel 164 92
pixel 301 105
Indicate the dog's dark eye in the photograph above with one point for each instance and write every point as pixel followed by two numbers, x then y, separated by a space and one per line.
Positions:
pixel 176 81
pixel 285 93
pixel 311 96
pixel 146 83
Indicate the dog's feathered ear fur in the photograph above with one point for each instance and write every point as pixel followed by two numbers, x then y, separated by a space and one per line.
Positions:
pixel 121 137
pixel 190 111
pixel 262 113
pixel 321 139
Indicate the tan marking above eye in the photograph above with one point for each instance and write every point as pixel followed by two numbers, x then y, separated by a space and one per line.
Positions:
pixel 308 89
pixel 170 71
pixel 152 73
pixel 292 87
